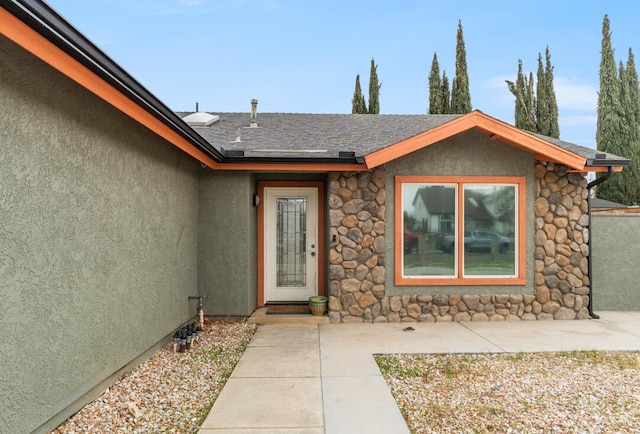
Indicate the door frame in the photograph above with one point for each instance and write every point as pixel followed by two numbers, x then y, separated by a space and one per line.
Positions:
pixel 321 271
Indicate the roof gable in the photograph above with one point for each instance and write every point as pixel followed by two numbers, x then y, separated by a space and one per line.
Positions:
pixel 379 139
pixel 293 142
pixel 541 148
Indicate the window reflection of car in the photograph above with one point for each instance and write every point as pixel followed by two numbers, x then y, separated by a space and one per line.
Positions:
pixel 479 241
pixel 412 242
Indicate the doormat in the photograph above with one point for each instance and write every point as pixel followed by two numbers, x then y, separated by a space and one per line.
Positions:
pixel 289 309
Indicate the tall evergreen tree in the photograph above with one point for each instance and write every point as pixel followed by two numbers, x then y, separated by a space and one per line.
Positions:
pixel 536 107
pixel 547 106
pixel 454 90
pixel 610 115
pixel 435 87
pixel 374 90
pixel 623 181
pixel 525 104
pixel 460 95
pixel 445 94
pixel 358 105
pixel 553 127
pixel 542 108
pixel 532 102
pixel 632 117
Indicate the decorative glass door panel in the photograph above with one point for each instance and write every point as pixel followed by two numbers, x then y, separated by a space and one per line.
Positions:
pixel 290 244
pixel 291 247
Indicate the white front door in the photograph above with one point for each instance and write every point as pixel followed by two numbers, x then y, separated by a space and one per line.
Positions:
pixel 290 243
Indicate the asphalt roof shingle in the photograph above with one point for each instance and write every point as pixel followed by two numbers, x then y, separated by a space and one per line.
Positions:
pixel 309 135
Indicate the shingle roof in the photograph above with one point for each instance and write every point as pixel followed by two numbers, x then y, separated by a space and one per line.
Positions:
pixel 314 135
pixel 597 203
pixel 323 136
pixel 589 153
pixel 280 137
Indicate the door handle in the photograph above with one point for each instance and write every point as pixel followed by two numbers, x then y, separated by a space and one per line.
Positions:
pixel 313 253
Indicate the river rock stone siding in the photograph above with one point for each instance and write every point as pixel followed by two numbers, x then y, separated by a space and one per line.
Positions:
pixel 561 243
pixel 357 257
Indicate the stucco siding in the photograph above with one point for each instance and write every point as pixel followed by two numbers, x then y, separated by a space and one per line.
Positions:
pixel 227 267
pixel 469 154
pixel 616 275
pixel 98 227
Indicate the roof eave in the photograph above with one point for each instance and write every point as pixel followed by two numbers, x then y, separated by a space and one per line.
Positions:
pixel 623 162
pixel 290 165
pixel 40 30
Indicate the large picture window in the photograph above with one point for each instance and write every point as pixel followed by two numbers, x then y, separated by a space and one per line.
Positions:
pixel 460 230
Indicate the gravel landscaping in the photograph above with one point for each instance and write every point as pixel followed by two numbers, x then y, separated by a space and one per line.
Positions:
pixel 171 392
pixel 572 392
pixel 562 392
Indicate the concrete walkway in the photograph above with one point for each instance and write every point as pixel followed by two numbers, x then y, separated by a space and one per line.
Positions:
pixel 322 378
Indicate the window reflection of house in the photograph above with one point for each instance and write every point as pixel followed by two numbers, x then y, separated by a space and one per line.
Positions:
pixel 490 207
pixel 481 215
pixel 434 207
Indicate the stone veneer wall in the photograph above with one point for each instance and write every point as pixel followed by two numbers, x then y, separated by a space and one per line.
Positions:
pixel 357 257
pixel 561 240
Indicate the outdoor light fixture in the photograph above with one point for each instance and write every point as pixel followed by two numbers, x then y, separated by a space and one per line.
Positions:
pixel 256 199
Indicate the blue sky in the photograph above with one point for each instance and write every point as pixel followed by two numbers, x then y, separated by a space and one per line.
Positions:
pixel 303 56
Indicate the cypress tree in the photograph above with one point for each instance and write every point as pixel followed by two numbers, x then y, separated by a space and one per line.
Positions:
pixel 358 105
pixel 445 95
pixel 622 181
pixel 374 90
pixel 460 95
pixel 435 87
pixel 552 103
pixel 536 111
pixel 542 108
pixel 531 101
pixel 610 115
pixel 454 90
pixel 547 105
pixel 519 112
pixel 522 90
pixel 632 116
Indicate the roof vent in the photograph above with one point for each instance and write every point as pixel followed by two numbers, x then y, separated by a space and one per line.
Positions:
pixel 200 119
pixel 253 123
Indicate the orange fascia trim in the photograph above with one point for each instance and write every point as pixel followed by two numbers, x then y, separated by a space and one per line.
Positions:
pixel 33 42
pixel 494 127
pixel 321 232
pixel 598 169
pixel 520 279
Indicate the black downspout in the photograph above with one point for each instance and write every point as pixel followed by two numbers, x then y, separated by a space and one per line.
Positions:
pixel 589 266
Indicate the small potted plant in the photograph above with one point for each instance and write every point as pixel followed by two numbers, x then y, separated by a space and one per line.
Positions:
pixel 318 304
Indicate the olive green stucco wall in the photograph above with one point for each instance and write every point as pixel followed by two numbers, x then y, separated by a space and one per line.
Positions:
pixel 616 275
pixel 469 154
pixel 98 227
pixel 227 237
